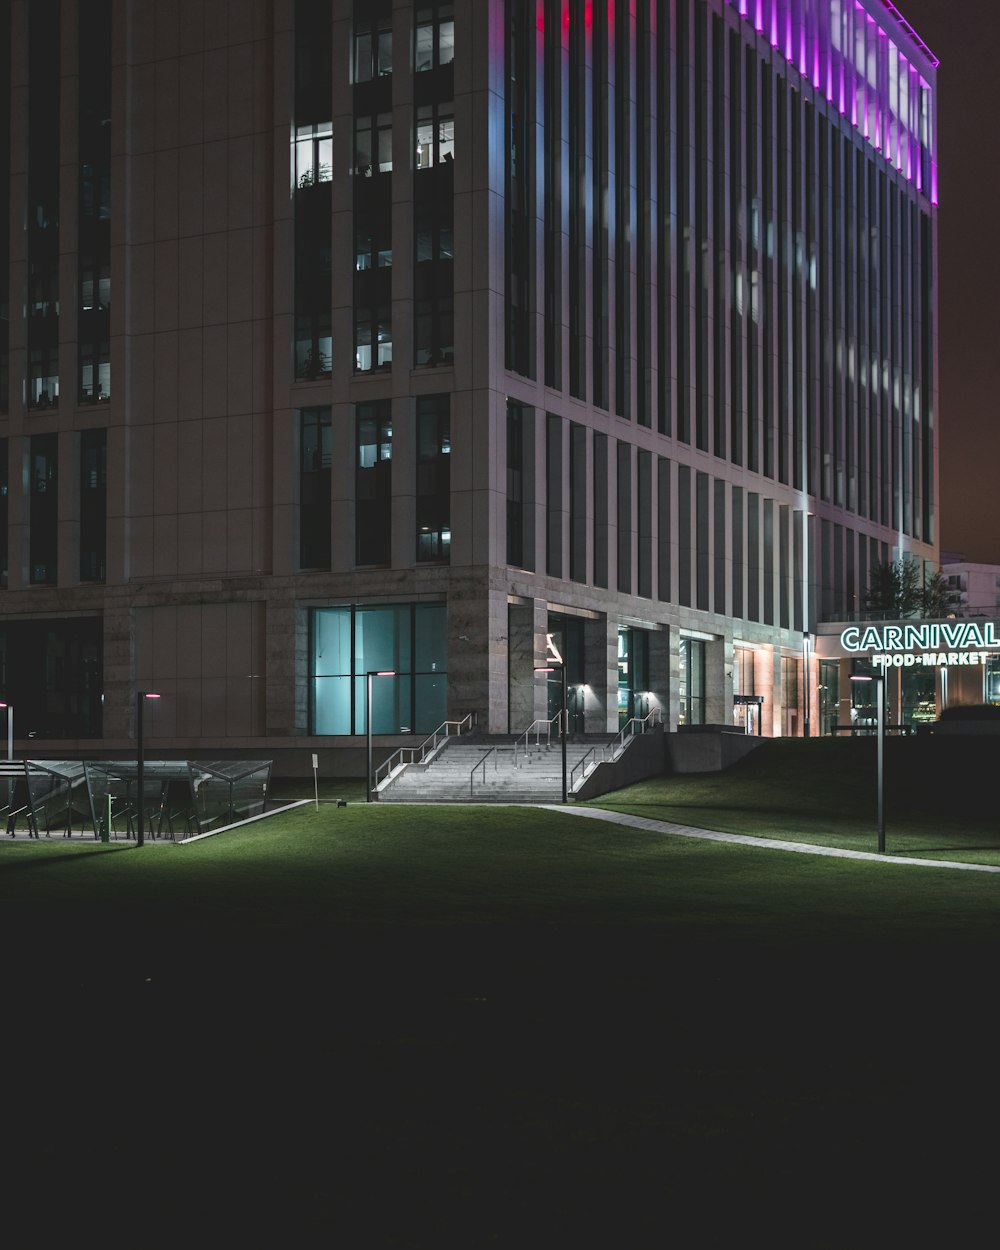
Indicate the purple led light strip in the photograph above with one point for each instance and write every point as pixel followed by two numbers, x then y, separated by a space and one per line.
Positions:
pixel 912 33
pixel 837 91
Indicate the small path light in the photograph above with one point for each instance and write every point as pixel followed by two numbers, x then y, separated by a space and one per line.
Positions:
pixel 141 698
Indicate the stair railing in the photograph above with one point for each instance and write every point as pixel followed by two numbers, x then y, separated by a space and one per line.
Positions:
pixel 581 765
pixel 494 751
pixel 632 729
pixel 417 754
pixel 538 728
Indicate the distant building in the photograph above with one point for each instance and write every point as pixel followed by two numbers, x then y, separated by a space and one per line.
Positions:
pixel 446 338
pixel 976 587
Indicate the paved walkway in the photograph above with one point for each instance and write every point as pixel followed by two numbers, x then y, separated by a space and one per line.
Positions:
pixel 743 839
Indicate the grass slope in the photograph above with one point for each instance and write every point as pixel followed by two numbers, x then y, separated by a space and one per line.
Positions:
pixel 940 798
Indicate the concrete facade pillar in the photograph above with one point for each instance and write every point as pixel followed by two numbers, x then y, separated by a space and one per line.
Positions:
pixel 528 625
pixel 765 684
pixel 477 653
pixel 600 661
pixel 662 674
pixel 718 681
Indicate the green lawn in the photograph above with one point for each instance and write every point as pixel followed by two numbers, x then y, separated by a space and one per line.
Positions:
pixel 309 870
pixel 439 1028
pixel 940 796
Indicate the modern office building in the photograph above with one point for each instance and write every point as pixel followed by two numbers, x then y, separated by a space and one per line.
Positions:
pixel 342 336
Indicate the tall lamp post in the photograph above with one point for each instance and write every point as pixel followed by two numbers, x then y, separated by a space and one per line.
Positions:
pixel 807 688
pixel 563 717
pixel 10 729
pixel 10 751
pixel 140 778
pixel 385 672
pixel 879 680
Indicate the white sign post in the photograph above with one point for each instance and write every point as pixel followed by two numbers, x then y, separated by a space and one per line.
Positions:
pixel 316 778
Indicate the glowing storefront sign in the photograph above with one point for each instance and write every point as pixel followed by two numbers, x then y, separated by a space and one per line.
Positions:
pixel 931 644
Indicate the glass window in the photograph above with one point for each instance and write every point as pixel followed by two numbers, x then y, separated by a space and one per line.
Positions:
pixel 348 642
pixel 313 347
pixel 313 154
pixel 372 47
pixel 315 475
pixel 93 504
pixel 435 136
pixel 435 37
pixel 372 339
pixel 373 145
pixel 44 508
pixel 691 682
pixel 633 673
pixel 433 478
pixel 373 483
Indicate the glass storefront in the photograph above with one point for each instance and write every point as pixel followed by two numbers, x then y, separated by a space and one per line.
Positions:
pixel 829 695
pixel 691 682
pixel 565 645
pixel 746 707
pixel 633 673
pixel 407 639
pixel 791 680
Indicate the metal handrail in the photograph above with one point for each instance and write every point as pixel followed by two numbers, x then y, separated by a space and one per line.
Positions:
pixel 581 764
pixel 447 729
pixel 537 727
pixel 632 729
pixel 481 763
pixel 629 730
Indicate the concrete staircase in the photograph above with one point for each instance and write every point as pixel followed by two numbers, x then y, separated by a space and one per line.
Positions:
pixel 482 769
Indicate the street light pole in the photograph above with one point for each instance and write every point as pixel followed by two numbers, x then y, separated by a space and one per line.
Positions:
pixel 563 718
pixel 807 692
pixel 10 751
pixel 879 679
pixel 140 778
pixel 880 700
pixel 368 723
pixel 10 729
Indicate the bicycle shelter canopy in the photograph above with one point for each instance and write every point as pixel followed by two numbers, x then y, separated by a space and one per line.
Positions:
pixel 180 797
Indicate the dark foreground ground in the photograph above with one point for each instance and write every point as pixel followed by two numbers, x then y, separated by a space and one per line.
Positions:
pixel 496 1087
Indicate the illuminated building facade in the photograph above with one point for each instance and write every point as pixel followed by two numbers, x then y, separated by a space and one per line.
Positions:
pixel 445 337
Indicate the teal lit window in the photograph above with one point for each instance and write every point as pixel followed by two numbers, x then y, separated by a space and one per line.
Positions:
pixel 347 642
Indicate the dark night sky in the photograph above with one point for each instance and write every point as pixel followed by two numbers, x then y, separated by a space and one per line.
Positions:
pixel 965 36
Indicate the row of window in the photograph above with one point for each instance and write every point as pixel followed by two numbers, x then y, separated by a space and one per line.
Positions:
pixel 393 659
pixel 373 483
pixel 312 148
pixel 770 297
pixel 94 212
pixel 433 40
pixel 314 166
pixel 680 535
pixel 40 470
